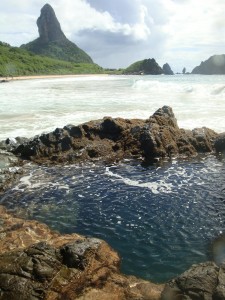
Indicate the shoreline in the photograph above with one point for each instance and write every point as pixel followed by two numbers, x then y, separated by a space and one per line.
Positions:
pixel 31 77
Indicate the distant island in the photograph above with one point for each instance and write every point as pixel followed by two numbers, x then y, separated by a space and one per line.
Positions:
pixel 212 66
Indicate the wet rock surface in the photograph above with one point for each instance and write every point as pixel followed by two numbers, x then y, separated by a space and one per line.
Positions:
pixel 115 139
pixel 37 263
pixel 220 143
pixel 205 281
pixel 9 169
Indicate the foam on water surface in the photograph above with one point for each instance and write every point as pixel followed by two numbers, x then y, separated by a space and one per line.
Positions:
pixel 35 106
pixel 160 218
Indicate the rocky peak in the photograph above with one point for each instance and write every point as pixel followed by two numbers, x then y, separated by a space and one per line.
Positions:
pixel 48 25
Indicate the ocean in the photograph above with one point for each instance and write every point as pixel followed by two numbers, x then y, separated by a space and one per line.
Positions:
pixel 35 106
pixel 161 218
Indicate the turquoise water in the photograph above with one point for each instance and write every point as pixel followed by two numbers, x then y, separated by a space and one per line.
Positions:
pixel 160 218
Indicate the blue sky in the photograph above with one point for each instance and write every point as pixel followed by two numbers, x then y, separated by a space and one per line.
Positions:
pixel 116 33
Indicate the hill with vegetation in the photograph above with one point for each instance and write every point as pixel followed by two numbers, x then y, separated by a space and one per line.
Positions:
pixel 19 62
pixel 52 41
pixel 214 65
pixel 144 67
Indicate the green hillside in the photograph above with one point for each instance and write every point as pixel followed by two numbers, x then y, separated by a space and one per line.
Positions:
pixel 146 66
pixel 19 62
pixel 62 49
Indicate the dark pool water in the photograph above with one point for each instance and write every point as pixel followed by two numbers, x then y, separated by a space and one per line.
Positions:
pixel 160 218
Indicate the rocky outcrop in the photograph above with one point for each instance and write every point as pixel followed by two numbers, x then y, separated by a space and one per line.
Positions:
pixel 52 41
pixel 37 263
pixel 214 65
pixel 167 69
pixel 9 169
pixel 220 142
pixel 115 139
pixel 144 67
pixel 48 26
pixel 201 282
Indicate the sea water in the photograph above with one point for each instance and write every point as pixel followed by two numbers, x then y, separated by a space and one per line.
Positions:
pixel 161 218
pixel 35 106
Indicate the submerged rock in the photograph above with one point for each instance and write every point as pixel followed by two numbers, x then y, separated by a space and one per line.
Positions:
pixel 37 263
pixel 114 139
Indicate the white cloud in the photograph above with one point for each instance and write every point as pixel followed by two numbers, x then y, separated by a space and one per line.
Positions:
pixel 180 32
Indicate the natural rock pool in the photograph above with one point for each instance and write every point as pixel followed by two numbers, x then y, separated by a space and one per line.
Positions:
pixel 161 218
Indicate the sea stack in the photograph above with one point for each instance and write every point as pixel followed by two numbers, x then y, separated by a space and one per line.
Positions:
pixel 48 26
pixel 52 41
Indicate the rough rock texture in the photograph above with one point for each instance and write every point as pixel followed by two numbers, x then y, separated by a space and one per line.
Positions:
pixel 9 169
pixel 114 139
pixel 37 263
pixel 48 26
pixel 52 41
pixel 205 281
pixel 167 69
pixel 220 142
pixel 214 65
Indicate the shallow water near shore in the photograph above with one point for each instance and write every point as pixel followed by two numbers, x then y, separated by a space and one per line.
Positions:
pixel 160 218
pixel 34 106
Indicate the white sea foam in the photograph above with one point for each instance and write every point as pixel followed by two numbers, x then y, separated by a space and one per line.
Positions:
pixel 159 186
pixel 32 107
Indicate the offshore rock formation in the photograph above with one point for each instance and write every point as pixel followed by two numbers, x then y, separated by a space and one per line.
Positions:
pixel 48 26
pixel 167 69
pixel 114 139
pixel 52 41
pixel 201 282
pixel 144 67
pixel 37 263
pixel 214 65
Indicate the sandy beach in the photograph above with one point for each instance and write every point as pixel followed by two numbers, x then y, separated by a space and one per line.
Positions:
pixel 3 79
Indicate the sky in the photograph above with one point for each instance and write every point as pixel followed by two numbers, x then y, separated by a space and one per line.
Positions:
pixel 116 33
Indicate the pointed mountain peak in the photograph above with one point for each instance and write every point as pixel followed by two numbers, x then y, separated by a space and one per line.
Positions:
pixel 48 25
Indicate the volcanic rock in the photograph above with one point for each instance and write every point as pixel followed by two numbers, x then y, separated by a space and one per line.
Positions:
pixel 37 263
pixel 115 139
pixel 9 169
pixel 201 282
pixel 48 25
pixel 220 143
pixel 52 41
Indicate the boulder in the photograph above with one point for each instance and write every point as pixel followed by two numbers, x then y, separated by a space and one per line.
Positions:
pixel 37 263
pixel 114 139
pixel 9 169
pixel 204 281
pixel 220 142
